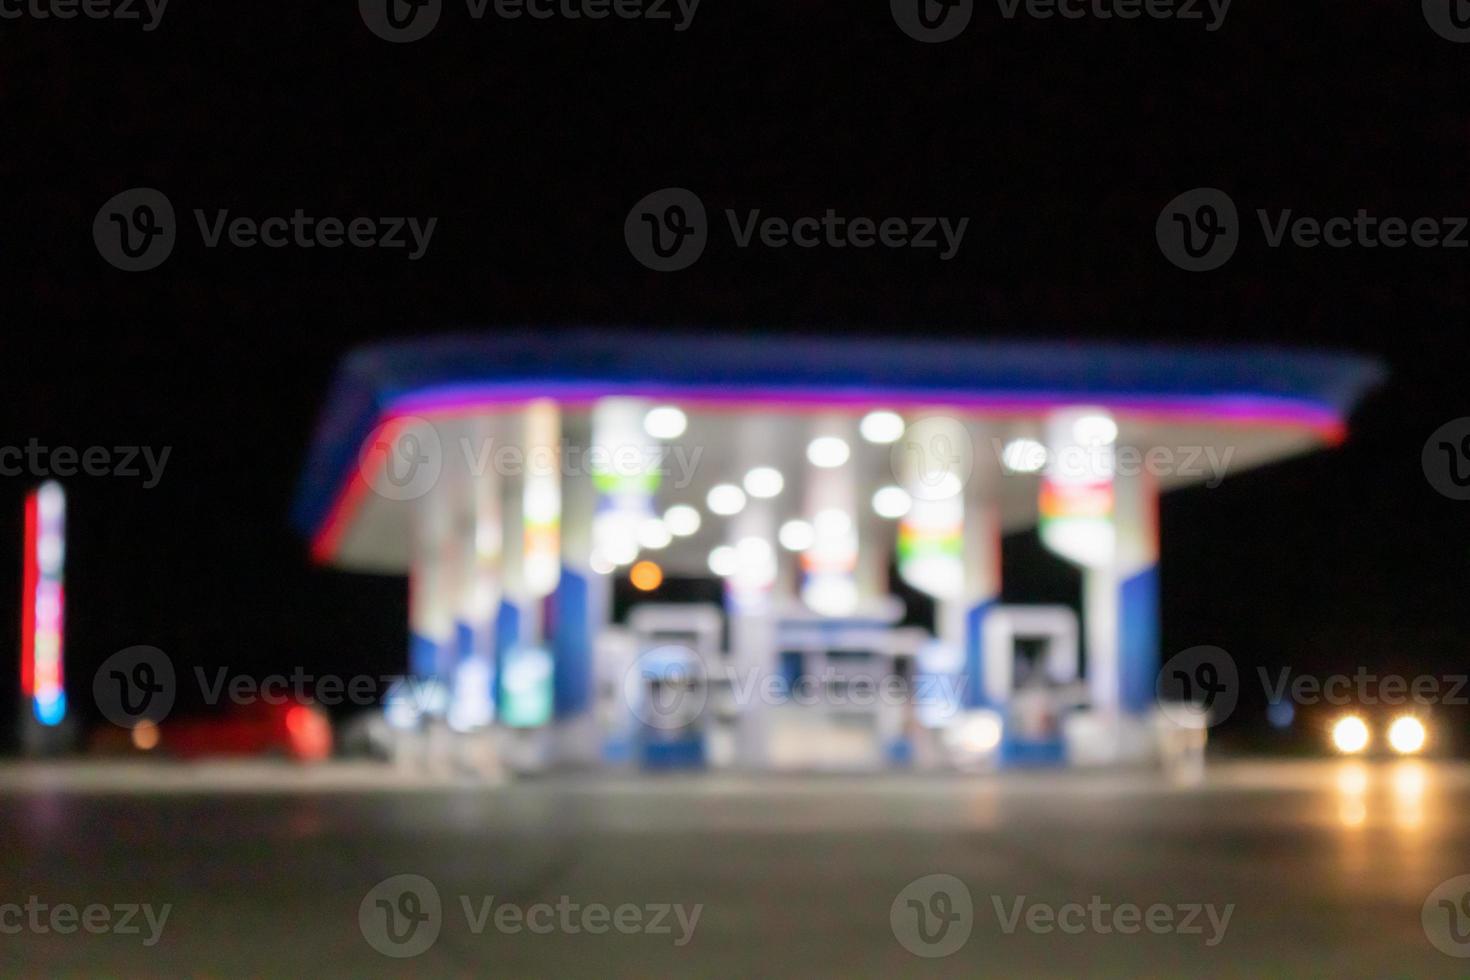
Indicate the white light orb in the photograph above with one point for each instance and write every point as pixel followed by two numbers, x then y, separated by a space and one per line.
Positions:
pixel 682 520
pixel 665 422
pixel 881 427
pixel 725 499
pixel 1023 456
pixel 828 452
pixel 1095 430
pixel 723 561
pixel 796 535
pixel 764 482
pixel 891 502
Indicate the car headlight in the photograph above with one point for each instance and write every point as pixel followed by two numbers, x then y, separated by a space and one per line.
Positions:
pixel 1350 735
pixel 1407 735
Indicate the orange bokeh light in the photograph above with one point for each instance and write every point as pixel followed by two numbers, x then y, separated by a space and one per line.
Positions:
pixel 646 576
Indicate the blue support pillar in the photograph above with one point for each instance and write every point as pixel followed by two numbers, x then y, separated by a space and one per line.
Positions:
pixel 571 643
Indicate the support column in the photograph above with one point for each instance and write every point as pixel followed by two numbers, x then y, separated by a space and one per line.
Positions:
pixel 829 582
pixel 580 607
pixel 532 563
pixel 510 619
pixel 753 600
pixel 982 581
pixel 430 587
pixel 750 608
pixel 945 543
pixel 1121 604
pixel 480 537
pixel 1106 522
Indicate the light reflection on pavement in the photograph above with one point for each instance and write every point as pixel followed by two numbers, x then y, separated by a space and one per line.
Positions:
pixel 1327 865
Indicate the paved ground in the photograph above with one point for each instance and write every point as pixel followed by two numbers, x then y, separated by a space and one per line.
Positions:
pixel 1326 869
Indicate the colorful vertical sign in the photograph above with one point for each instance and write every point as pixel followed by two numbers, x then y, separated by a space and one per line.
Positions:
pixel 541 501
pixel 931 542
pixel 43 603
pixel 1076 505
pixel 622 459
pixel 829 567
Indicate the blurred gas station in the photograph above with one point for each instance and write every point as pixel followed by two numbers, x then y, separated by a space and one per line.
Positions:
pixel 844 503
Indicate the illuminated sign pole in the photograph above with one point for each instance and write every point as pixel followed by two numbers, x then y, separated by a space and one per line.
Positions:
pixel 541 503
pixel 532 558
pixel 42 607
pixel 1107 524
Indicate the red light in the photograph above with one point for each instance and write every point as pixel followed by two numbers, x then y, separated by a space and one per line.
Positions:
pixel 311 734
pixel 28 599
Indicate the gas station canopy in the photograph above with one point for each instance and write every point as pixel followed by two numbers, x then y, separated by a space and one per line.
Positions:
pixel 1241 406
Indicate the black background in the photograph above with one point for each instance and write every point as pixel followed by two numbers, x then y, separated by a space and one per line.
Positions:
pixel 530 140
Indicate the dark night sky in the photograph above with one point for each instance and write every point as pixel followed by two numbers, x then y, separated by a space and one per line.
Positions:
pixel 530 141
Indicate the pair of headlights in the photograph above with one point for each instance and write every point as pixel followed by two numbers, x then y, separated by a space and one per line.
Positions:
pixel 1406 735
